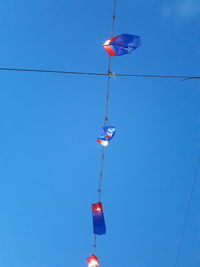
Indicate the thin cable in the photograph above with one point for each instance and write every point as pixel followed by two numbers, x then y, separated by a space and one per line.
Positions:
pixel 110 74
pixel 101 175
pixel 54 71
pixel 187 213
pixel 184 77
pixel 107 103
pixel 113 18
pixel 94 243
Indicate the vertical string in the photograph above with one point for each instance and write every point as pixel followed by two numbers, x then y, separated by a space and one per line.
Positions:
pixel 105 120
pixel 196 175
pixel 113 18
pixel 107 96
pixel 94 243
pixel 101 175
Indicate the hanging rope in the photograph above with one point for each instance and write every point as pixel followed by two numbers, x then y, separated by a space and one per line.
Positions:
pixel 107 100
pixel 109 75
pixel 107 103
pixel 187 213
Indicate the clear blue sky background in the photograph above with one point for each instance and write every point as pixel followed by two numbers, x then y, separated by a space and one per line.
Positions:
pixel 49 159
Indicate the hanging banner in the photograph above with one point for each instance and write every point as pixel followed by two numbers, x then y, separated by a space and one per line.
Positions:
pixel 99 227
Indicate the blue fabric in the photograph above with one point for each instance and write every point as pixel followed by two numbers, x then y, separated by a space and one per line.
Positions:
pixel 99 223
pixel 125 44
pixel 107 133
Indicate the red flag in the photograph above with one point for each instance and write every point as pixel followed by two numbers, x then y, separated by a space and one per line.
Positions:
pixel 93 261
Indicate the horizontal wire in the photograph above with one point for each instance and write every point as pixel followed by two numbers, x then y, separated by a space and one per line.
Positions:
pixel 54 71
pixel 184 77
pixel 158 76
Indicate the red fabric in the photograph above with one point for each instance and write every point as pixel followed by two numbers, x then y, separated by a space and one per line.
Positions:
pixel 109 50
pixel 97 207
pixel 112 39
pixel 93 257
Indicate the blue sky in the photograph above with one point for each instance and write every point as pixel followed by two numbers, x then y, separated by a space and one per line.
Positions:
pixel 49 160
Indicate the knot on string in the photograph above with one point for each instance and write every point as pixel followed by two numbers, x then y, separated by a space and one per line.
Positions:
pixel 111 74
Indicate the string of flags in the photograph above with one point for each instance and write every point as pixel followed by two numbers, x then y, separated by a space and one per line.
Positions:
pixel 115 46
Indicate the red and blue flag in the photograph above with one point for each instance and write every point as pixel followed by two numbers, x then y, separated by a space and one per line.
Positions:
pixel 106 135
pixel 99 227
pixel 122 44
